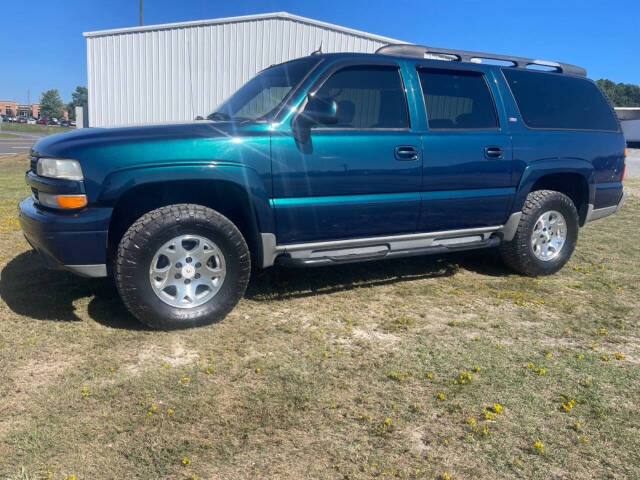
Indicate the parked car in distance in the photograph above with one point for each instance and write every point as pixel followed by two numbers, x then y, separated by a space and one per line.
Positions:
pixel 72 123
pixel 354 157
pixel 53 121
pixel 64 123
pixel 42 121
pixel 31 121
pixel 22 119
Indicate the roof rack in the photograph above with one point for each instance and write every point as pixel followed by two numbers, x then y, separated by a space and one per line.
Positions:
pixel 435 53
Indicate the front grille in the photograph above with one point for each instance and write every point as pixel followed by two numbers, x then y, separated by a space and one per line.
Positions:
pixel 33 162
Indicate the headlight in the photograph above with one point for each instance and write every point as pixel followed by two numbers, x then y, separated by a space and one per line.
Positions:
pixel 59 168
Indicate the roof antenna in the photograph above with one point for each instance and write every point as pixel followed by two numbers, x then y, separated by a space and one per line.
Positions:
pixel 318 51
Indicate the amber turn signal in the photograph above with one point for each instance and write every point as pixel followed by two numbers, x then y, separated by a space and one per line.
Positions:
pixel 71 201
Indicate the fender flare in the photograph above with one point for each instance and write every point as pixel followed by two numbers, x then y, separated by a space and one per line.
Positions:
pixel 246 179
pixel 536 170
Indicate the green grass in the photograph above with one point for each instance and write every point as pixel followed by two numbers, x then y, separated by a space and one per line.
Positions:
pixel 330 372
pixel 26 128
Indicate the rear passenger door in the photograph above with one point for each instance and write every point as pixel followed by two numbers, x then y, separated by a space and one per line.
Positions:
pixel 467 155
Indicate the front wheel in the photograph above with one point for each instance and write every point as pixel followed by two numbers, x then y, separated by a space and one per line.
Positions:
pixel 546 235
pixel 182 266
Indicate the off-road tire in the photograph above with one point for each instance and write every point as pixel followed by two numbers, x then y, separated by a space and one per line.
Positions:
pixel 518 253
pixel 139 245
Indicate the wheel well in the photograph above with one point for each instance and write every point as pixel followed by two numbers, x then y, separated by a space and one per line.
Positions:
pixel 225 197
pixel 573 185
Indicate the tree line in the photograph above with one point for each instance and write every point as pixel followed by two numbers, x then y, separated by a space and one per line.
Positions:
pixel 52 106
pixel 620 94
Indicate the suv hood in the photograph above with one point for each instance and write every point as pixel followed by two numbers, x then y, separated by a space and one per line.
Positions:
pixel 69 145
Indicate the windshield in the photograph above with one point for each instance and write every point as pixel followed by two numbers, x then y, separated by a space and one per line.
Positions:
pixel 265 93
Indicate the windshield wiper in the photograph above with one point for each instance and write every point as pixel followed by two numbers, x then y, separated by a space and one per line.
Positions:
pixel 218 116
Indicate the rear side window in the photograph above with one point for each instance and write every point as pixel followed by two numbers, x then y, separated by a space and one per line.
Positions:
pixel 551 100
pixel 457 100
pixel 367 97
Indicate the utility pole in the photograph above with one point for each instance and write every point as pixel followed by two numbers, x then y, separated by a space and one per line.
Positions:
pixel 140 12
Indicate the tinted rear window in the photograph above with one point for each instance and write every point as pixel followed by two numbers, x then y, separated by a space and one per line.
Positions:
pixel 551 100
pixel 457 100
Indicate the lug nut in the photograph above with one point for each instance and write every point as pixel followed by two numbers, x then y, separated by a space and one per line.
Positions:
pixel 178 276
pixel 188 259
pixel 178 265
pixel 187 281
pixel 197 275
pixel 198 265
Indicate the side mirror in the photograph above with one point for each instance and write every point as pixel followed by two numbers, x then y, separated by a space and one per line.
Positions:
pixel 318 110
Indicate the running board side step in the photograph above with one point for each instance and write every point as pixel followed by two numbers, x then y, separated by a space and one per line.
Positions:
pixel 378 248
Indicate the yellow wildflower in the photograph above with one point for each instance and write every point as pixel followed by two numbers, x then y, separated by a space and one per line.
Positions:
pixel 568 405
pixel 539 446
pixel 440 396
pixel 185 461
pixel 497 408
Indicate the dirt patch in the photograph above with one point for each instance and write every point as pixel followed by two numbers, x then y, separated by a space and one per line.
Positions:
pixel 150 355
pixel 374 335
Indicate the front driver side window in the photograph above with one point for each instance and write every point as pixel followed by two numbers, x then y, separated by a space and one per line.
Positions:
pixel 367 97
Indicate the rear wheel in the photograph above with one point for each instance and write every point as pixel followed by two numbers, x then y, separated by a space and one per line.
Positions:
pixel 182 266
pixel 546 235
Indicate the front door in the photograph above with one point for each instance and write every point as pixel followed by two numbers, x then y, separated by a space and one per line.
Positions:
pixel 359 177
pixel 467 156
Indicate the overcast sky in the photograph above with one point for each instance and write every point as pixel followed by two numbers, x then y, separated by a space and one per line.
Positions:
pixel 43 46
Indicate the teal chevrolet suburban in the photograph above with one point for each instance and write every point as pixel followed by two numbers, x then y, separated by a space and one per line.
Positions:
pixel 328 159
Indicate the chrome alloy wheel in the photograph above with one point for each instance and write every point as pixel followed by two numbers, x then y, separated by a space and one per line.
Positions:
pixel 549 235
pixel 187 271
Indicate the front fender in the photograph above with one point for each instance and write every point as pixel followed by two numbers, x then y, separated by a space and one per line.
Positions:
pixel 536 170
pixel 245 178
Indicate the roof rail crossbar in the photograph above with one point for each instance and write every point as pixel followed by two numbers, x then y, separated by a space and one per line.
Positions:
pixel 421 51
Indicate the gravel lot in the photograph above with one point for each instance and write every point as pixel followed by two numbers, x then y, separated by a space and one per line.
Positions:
pixel 633 162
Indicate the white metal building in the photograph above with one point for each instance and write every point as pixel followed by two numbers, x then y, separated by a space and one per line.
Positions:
pixel 178 71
